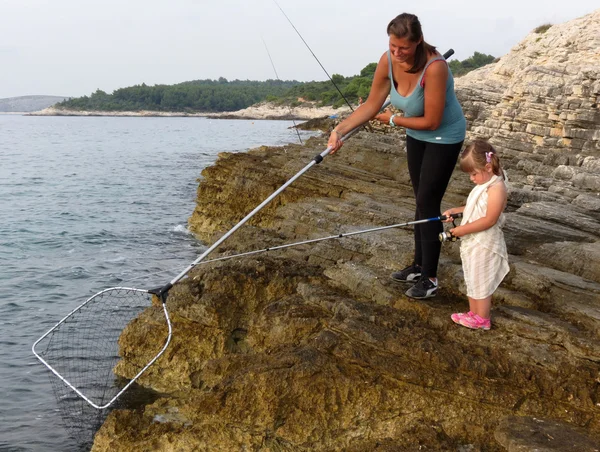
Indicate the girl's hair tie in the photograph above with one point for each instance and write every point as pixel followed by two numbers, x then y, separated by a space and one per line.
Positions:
pixel 488 157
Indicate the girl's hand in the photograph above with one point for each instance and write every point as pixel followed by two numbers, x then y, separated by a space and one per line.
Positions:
pixel 335 141
pixel 447 213
pixel 457 231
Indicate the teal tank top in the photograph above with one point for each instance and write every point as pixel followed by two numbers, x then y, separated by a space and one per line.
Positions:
pixel 453 126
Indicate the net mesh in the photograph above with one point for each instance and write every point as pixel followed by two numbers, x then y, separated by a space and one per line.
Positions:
pixel 84 350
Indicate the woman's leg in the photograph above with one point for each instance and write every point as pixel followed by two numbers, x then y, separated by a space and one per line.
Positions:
pixel 415 150
pixel 436 166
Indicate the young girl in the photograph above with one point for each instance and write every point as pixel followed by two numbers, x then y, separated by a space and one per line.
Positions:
pixel 482 246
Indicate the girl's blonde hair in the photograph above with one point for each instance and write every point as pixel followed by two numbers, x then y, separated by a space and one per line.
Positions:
pixel 477 154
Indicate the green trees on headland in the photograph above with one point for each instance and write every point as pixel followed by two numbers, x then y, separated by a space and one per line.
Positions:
pixel 222 95
pixel 194 96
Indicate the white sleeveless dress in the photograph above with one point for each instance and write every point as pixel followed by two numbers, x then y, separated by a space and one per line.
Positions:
pixel 484 256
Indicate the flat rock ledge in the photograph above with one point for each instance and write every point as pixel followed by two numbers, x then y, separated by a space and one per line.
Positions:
pixel 315 348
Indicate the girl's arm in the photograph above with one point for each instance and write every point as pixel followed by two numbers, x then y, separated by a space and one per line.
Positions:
pixel 435 101
pixel 495 206
pixel 380 89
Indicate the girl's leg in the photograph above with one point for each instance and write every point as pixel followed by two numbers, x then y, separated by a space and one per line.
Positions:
pixel 482 307
pixel 436 166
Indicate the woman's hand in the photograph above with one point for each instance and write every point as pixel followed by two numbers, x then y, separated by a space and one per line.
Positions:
pixel 384 117
pixel 335 141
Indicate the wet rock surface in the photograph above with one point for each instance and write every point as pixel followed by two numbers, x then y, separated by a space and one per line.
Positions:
pixel 315 348
pixel 543 435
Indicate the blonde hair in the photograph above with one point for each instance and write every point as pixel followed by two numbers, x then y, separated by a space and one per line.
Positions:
pixel 477 154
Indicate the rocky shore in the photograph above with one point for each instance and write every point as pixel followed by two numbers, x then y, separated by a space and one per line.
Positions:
pixel 262 110
pixel 316 348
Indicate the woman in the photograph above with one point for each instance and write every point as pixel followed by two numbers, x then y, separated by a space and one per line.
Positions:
pixel 420 84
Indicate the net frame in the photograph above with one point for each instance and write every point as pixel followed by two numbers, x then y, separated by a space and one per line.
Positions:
pixel 129 314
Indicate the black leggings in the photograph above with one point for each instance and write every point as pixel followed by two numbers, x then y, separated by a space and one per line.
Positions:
pixel 430 166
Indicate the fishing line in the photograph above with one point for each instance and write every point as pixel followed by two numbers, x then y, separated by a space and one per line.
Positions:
pixel 313 54
pixel 277 76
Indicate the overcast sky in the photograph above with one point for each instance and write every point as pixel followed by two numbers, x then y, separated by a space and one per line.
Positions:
pixel 73 47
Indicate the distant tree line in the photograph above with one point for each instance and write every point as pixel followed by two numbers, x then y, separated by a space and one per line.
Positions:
pixel 223 95
pixel 194 96
pixel 477 60
pixel 325 93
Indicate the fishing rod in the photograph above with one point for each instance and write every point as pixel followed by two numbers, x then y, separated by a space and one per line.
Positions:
pixel 277 76
pixel 454 216
pixel 446 55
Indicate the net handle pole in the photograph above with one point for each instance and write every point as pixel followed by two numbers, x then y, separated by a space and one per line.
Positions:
pixel 316 160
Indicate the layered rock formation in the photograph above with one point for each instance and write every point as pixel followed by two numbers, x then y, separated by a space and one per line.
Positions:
pixel 315 348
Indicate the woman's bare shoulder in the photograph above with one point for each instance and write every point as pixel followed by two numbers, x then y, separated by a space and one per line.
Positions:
pixel 435 67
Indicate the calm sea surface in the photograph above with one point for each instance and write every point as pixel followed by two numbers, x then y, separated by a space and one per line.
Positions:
pixel 87 203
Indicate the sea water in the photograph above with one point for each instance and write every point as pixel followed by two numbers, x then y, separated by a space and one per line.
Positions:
pixel 87 203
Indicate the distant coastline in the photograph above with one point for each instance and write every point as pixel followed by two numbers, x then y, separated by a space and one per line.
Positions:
pixel 28 104
pixel 263 110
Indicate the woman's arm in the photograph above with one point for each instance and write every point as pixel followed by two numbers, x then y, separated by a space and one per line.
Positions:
pixel 380 89
pixel 495 206
pixel 435 101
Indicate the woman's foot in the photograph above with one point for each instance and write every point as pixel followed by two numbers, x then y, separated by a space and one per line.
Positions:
pixel 424 288
pixel 409 274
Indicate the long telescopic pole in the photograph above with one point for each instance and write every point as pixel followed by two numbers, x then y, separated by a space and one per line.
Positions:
pixel 162 291
pixel 316 160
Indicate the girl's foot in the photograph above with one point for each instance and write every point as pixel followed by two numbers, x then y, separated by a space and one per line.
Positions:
pixel 459 315
pixel 475 322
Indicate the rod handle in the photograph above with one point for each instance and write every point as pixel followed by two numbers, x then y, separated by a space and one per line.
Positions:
pixel 454 216
pixel 448 54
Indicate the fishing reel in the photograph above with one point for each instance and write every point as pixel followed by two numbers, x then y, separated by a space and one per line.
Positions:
pixel 447 236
